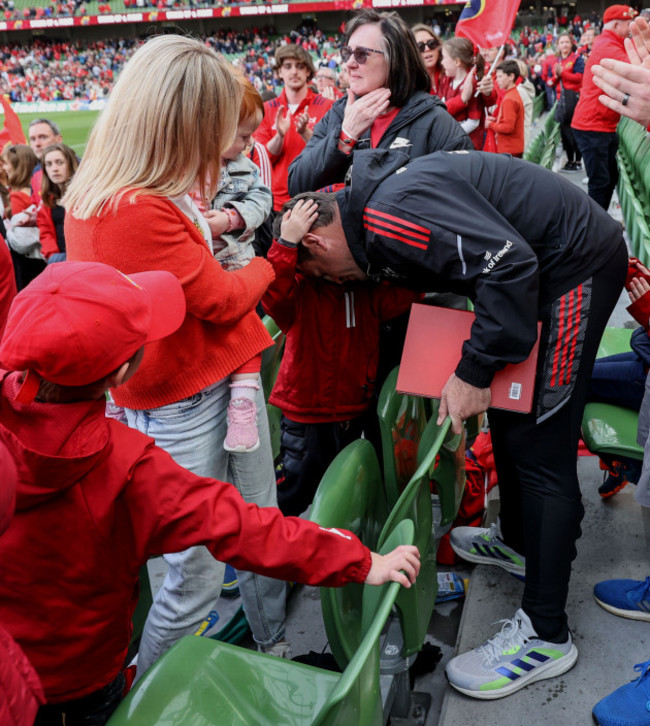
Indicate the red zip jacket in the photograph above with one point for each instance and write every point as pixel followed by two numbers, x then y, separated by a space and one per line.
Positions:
pixel 590 114
pixel 293 141
pixel 329 365
pixel 95 499
pixel 46 231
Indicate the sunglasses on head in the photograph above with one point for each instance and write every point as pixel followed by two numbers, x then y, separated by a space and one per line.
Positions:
pixel 360 53
pixel 430 44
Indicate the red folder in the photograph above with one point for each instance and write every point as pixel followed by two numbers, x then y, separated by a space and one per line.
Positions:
pixel 433 347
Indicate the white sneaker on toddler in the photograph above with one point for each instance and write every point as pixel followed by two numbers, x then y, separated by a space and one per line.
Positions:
pixel 242 435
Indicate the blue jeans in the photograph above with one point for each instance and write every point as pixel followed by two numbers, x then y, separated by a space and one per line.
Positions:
pixel 598 149
pixel 619 380
pixel 192 431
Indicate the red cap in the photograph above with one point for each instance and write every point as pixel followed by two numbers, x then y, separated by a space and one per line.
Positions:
pixel 77 322
pixel 619 12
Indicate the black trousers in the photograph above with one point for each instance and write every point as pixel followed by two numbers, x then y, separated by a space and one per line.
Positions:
pixel 92 710
pixel 308 449
pixel 598 150
pixel 536 453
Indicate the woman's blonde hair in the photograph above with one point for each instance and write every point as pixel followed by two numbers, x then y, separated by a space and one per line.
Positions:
pixel 171 115
pixel 22 161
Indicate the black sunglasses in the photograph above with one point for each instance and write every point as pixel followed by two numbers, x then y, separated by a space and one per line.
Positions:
pixel 430 44
pixel 360 53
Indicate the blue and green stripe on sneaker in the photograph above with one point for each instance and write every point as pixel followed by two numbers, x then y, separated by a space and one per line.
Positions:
pixel 484 546
pixel 511 660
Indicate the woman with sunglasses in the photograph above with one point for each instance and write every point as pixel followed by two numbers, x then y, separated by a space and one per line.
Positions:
pixel 388 105
pixel 430 47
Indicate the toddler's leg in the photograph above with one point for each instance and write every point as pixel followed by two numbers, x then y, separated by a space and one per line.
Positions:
pixel 242 435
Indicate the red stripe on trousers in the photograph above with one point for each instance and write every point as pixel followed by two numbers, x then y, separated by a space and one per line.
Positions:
pixel 558 345
pixel 567 378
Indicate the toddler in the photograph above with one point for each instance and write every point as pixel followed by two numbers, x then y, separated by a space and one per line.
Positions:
pixel 241 206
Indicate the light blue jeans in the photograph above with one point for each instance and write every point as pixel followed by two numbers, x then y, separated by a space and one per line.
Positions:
pixel 192 431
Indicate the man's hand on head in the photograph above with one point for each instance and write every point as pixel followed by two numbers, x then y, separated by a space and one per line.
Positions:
pixel 298 221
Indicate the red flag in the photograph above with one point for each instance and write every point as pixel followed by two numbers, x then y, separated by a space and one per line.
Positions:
pixel 12 123
pixel 487 22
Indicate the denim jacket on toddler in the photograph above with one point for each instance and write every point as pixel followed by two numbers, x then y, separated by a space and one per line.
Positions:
pixel 240 187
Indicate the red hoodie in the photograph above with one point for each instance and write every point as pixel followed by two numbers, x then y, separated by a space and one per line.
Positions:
pixel 95 499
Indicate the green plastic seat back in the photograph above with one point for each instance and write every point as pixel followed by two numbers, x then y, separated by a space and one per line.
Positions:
pixel 402 420
pixel 614 340
pixel 608 429
pixel 350 496
pixel 415 605
pixel 272 356
pixel 202 682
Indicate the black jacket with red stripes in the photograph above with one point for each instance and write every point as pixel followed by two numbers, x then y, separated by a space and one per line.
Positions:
pixel 508 234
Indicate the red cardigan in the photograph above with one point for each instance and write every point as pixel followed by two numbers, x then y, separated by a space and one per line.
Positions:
pixel 221 330
pixel 509 126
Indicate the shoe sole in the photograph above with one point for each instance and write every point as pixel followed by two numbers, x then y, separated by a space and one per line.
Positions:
pixel 515 570
pixel 542 673
pixel 629 614
pixel 611 492
pixel 242 449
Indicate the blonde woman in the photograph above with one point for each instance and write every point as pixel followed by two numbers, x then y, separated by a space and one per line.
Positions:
pixel 170 117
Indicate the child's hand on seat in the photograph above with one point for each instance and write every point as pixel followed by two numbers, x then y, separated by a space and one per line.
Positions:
pixel 298 221
pixel 387 568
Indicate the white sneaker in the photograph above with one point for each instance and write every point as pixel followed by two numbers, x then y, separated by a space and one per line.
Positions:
pixel 509 661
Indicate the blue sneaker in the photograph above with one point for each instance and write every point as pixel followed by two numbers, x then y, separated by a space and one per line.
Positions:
pixel 511 660
pixel 626 598
pixel 628 705
pixel 230 587
pixel 485 547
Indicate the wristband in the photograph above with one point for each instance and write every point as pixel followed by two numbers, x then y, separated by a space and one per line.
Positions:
pixel 346 139
pixel 286 243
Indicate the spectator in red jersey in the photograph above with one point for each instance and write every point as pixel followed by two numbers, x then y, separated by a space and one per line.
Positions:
pixel 290 118
pixel 42 133
pixel 594 125
pixel 567 74
pixel 509 124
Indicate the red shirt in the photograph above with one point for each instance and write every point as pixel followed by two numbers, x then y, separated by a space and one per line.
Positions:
pixel 380 125
pixel 293 142
pixel 590 114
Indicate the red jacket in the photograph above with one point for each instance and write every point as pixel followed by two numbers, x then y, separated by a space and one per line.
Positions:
pixel 20 690
pixel 7 284
pixel 95 499
pixel 329 365
pixel 509 126
pixel 293 142
pixel 590 114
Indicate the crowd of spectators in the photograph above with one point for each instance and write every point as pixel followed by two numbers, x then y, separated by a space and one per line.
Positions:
pixel 52 70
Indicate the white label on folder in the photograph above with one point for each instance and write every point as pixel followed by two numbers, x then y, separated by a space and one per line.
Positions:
pixel 515 391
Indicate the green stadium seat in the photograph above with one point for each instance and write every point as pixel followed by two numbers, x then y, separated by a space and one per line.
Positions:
pixel 203 682
pixel 350 496
pixel 415 605
pixel 402 420
pixel 607 429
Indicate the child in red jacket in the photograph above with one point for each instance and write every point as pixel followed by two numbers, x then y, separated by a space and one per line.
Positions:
pixel 96 499
pixel 326 382
pixel 509 123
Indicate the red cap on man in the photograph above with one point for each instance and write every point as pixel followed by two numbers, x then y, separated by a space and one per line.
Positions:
pixel 78 322
pixel 619 12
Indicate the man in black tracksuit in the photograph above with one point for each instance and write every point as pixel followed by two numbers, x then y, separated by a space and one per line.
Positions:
pixel 525 246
